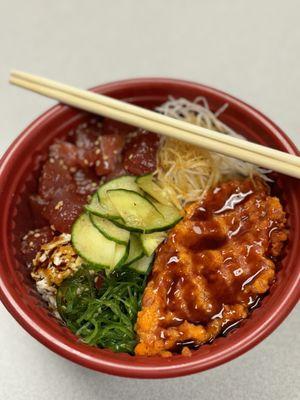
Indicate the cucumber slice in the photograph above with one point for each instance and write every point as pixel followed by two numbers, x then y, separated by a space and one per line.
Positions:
pixel 96 208
pixel 147 183
pixel 91 245
pixel 171 214
pixel 150 241
pixel 135 250
pixel 139 214
pixel 136 211
pixel 142 265
pixel 121 254
pixel 110 230
pixel 124 182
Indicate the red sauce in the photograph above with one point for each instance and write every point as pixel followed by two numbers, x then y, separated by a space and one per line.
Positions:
pixel 216 253
pixel 226 329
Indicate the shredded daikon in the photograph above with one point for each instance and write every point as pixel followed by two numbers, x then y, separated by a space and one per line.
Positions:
pixel 186 171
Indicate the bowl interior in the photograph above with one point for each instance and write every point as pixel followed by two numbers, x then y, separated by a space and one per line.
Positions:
pixel 18 178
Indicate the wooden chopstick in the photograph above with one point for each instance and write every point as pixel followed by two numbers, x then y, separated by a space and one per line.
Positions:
pixel 142 112
pixel 214 141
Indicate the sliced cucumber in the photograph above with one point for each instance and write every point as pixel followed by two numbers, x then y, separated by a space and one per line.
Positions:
pixel 121 254
pixel 150 241
pixel 147 183
pixel 91 245
pixel 135 249
pixel 110 230
pixel 96 208
pixel 139 214
pixel 124 182
pixel 142 265
pixel 171 214
pixel 135 210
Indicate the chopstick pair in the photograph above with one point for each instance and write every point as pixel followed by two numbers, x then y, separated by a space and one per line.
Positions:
pixel 137 116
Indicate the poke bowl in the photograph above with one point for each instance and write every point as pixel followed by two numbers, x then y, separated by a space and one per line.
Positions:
pixel 24 213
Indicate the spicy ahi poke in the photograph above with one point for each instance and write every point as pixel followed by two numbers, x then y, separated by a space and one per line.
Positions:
pixel 148 245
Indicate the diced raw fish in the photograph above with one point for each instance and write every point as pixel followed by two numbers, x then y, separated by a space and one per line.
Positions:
pixel 73 156
pixel 73 169
pixel 65 151
pixel 32 242
pixel 54 177
pixel 63 209
pixel 111 146
pixel 88 158
pixel 140 153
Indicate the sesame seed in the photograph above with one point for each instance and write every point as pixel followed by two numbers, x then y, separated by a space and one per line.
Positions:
pixel 105 157
pixel 97 163
pixel 85 161
pixel 59 205
pixel 97 151
pixel 36 235
pixel 51 160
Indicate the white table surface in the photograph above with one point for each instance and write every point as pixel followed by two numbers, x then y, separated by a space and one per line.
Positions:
pixel 250 49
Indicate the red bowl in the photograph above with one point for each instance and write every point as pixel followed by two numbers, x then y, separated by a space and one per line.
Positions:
pixel 19 169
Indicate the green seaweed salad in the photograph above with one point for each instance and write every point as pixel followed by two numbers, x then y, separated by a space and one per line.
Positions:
pixel 102 310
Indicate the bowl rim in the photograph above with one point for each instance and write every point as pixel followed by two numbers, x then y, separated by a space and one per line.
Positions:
pixel 124 368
